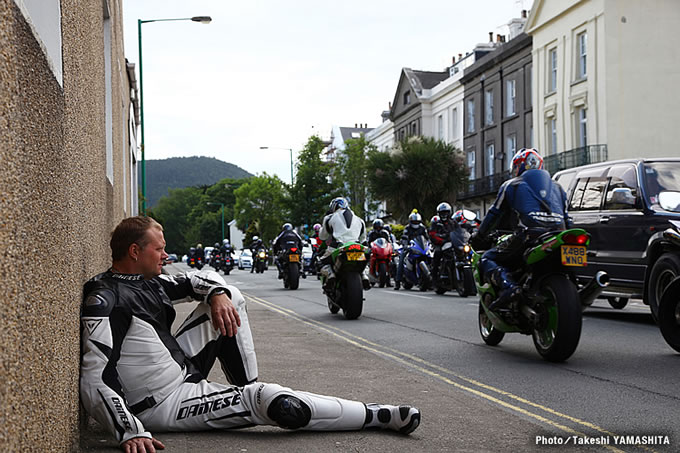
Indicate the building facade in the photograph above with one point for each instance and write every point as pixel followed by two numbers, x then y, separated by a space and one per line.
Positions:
pixel 497 118
pixel 67 172
pixel 604 71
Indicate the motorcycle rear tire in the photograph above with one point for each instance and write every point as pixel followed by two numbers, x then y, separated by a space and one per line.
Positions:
pixel 293 276
pixel 353 296
pixel 383 276
pixel 557 340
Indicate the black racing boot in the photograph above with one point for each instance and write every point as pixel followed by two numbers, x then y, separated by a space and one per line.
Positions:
pixel 397 285
pixel 508 289
pixel 404 419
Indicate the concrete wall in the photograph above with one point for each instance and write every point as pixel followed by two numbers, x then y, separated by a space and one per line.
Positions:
pixel 57 208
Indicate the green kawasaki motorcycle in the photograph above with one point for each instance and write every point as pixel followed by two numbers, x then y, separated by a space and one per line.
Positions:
pixel 549 308
pixel 348 261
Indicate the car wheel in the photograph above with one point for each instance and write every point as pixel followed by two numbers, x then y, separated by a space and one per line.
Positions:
pixel 666 268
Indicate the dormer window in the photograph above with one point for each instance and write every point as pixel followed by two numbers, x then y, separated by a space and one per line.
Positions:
pixel 407 98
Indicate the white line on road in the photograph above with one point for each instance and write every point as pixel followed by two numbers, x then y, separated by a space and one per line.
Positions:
pixel 404 294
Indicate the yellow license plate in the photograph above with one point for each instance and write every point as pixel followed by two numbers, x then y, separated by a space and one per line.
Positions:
pixel 294 258
pixel 356 256
pixel 573 255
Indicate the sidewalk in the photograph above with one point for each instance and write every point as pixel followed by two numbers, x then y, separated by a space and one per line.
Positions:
pixel 298 356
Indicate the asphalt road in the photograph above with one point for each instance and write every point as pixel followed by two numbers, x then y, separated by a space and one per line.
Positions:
pixel 621 381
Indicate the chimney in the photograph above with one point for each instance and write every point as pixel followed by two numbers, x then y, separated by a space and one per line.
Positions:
pixel 524 14
pixel 460 55
pixel 453 60
pixel 490 36
pixel 355 125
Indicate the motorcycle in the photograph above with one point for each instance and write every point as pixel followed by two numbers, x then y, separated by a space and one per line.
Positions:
pixel 549 307
pixel 290 262
pixel 195 262
pixel 348 261
pixel 260 260
pixel 669 304
pixel 227 263
pixel 381 258
pixel 417 264
pixel 455 270
pixel 216 260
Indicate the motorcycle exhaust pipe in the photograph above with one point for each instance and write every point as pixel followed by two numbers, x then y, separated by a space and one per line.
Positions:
pixel 594 288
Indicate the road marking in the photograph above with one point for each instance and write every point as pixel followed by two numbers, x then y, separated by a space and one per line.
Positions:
pixel 414 361
pixel 404 294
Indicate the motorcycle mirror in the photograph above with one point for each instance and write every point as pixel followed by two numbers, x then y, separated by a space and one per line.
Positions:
pixel 469 215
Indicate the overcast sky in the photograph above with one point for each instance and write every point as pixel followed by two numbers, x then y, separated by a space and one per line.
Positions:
pixel 272 73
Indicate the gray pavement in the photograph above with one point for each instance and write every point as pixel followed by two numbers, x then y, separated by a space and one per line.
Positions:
pixel 299 356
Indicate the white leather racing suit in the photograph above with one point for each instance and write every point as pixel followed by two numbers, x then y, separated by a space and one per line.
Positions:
pixel 337 228
pixel 136 376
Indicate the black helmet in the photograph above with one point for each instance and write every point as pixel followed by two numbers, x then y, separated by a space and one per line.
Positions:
pixel 338 203
pixel 444 210
pixel 378 224
pixel 287 227
pixel 217 245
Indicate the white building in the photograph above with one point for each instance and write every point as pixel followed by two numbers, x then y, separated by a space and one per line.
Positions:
pixel 605 72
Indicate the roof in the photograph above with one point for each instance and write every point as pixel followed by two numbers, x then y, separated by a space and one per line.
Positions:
pixel 353 132
pixel 495 57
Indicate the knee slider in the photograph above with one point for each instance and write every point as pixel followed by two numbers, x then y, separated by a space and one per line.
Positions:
pixel 289 412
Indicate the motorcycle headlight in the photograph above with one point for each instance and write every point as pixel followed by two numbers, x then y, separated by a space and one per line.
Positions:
pixel 466 248
pixel 261 254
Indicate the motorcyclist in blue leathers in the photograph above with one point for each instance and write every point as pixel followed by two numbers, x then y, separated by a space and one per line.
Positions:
pixel 529 203
pixel 414 229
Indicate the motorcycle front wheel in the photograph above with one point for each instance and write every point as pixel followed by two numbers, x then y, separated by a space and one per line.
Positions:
pixel 669 314
pixel 353 296
pixel 558 329
pixel 489 333
pixel 383 276
pixel 331 306
pixel 466 286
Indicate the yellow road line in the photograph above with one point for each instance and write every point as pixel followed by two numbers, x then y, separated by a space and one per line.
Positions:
pixel 394 355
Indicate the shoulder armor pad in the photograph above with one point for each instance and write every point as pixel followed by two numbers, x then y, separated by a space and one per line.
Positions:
pixel 98 301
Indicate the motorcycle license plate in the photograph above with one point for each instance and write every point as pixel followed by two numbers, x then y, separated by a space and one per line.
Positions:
pixel 356 256
pixel 294 258
pixel 573 255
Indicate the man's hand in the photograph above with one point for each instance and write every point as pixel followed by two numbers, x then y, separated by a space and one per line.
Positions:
pixel 225 318
pixel 142 445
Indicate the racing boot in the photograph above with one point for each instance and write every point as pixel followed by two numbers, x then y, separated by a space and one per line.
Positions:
pixel 397 285
pixel 404 419
pixel 327 272
pixel 508 289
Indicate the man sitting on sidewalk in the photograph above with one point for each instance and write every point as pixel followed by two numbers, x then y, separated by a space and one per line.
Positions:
pixel 136 376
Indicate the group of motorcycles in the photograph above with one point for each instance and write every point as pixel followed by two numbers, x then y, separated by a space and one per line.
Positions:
pixel 218 260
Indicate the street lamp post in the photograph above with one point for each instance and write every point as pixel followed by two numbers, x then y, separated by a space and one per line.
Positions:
pixel 291 159
pixel 221 204
pixel 201 19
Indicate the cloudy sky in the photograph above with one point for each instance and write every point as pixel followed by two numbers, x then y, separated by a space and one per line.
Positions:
pixel 272 73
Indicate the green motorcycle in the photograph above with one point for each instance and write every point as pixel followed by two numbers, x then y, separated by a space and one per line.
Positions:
pixel 550 305
pixel 348 261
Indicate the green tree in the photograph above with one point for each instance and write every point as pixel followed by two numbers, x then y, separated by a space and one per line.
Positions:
pixel 261 200
pixel 419 173
pixel 313 189
pixel 173 212
pixel 352 170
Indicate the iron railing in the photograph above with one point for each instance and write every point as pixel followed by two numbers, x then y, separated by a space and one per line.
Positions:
pixel 576 157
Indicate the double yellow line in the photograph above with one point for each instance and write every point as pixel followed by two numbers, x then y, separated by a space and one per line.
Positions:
pixel 471 386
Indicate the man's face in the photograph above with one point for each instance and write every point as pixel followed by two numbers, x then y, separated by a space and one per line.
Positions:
pixel 151 257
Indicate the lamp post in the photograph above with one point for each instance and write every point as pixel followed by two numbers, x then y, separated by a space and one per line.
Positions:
pixel 201 19
pixel 291 159
pixel 221 204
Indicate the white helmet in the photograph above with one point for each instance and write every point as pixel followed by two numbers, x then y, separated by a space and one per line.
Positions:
pixel 255 238
pixel 225 242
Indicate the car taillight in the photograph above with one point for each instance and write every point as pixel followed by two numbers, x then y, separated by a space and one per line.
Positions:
pixel 575 239
pixel 294 249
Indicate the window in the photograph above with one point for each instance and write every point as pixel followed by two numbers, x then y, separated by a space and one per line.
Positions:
pixel 588 194
pixel 530 138
pixel 582 43
pixel 454 123
pixel 440 127
pixel 510 101
pixel 510 148
pixel 471 115
pixel 407 98
pixel 552 135
pixel 581 127
pixel 490 158
pixel 488 102
pixel 471 163
pixel 552 59
pixel 622 189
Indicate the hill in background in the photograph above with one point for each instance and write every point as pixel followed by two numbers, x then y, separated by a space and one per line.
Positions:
pixel 180 172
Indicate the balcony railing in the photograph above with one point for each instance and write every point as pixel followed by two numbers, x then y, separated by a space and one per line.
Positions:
pixel 576 157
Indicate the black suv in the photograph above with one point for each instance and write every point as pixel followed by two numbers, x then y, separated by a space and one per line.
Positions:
pixel 626 206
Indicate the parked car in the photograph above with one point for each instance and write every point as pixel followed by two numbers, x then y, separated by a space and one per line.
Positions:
pixel 172 258
pixel 626 206
pixel 307 252
pixel 245 259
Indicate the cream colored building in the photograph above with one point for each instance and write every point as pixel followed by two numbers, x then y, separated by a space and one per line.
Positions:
pixel 605 72
pixel 67 177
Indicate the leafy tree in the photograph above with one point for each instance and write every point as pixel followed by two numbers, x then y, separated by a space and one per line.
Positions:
pixel 419 173
pixel 313 189
pixel 173 212
pixel 261 200
pixel 352 170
